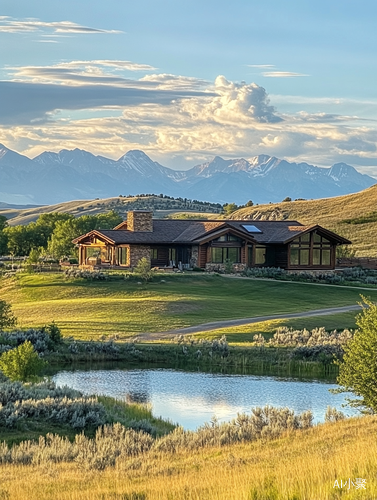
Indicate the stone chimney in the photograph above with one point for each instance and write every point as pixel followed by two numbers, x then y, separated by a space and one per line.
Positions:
pixel 140 220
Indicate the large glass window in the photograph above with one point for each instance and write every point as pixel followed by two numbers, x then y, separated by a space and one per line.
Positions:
pixel 260 255
pixel 220 254
pixel 300 250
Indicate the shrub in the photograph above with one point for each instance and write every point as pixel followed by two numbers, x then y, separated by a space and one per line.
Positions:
pixel 7 318
pixel 143 269
pixel 21 363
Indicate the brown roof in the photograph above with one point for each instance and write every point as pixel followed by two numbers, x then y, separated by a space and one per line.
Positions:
pixel 192 231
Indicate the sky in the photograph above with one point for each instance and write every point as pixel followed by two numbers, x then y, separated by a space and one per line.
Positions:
pixel 186 81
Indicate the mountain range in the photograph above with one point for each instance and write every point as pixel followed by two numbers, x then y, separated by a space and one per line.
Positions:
pixel 71 174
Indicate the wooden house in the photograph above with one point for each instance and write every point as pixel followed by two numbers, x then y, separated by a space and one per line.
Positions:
pixel 209 244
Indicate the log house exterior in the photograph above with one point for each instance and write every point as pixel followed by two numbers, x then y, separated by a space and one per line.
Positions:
pixel 209 244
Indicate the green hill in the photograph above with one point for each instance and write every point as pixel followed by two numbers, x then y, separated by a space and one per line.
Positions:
pixel 354 216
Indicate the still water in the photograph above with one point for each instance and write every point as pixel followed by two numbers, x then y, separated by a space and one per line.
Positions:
pixel 192 398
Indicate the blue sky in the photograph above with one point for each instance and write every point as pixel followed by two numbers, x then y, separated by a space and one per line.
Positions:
pixel 188 80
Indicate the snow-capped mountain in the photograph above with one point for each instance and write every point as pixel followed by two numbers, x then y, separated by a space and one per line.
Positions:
pixel 71 174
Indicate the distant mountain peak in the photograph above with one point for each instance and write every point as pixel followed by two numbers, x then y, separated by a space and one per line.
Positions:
pixel 55 177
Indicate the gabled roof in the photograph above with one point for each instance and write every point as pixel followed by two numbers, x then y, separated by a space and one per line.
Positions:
pixel 167 231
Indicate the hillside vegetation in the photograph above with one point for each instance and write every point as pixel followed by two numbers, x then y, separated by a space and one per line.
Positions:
pixel 352 216
pixel 161 205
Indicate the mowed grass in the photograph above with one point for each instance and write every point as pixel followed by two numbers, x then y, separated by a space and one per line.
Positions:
pixel 301 465
pixel 245 333
pixel 91 309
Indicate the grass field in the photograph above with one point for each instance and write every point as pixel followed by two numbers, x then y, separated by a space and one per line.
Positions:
pixel 91 309
pixel 302 465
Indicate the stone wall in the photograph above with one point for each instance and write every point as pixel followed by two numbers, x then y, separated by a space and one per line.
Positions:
pixel 137 252
pixel 140 220
pixel 194 257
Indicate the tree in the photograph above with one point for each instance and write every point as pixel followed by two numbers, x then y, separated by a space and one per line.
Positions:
pixel 358 370
pixel 229 208
pixel 287 199
pixel 21 363
pixel 7 318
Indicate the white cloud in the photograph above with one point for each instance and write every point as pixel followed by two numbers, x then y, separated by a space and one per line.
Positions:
pixel 11 25
pixel 282 74
pixel 169 116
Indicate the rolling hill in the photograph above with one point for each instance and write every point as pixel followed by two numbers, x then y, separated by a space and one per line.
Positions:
pixel 354 216
pixel 161 207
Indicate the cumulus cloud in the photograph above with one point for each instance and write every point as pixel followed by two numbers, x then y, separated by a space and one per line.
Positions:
pixel 168 116
pixel 11 25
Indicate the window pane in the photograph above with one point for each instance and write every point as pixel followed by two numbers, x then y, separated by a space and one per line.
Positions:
pixel 304 257
pixel 316 238
pixel 325 241
pixel 217 254
pixel 223 238
pixel 260 255
pixel 122 256
pixel 233 238
pixel 93 251
pixel 294 256
pixel 305 238
pixel 326 257
pixel 234 255
pixel 153 253
pixel 316 257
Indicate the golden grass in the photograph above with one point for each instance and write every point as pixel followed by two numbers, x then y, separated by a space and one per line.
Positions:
pixel 302 465
pixel 328 212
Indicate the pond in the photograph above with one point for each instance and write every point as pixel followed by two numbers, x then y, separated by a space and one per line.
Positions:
pixel 192 398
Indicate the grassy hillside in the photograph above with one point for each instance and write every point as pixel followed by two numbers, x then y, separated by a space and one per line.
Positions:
pixel 353 216
pixel 301 465
pixel 162 207
pixel 92 309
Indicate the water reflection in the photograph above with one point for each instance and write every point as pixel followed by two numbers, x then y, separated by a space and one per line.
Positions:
pixel 192 398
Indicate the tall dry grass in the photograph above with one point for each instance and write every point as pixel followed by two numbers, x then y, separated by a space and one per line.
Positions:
pixel 300 465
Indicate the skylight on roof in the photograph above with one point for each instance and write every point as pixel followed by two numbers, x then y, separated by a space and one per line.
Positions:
pixel 250 228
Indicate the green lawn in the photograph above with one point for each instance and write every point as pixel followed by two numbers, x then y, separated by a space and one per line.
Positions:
pixel 87 309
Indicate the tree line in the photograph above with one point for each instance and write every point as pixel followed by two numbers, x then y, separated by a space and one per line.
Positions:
pixel 51 234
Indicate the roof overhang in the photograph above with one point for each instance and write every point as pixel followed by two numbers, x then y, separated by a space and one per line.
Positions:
pixel 98 234
pixel 339 240
pixel 220 232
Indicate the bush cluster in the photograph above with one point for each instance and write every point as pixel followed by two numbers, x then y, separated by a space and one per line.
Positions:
pixel 354 275
pixel 45 402
pixel 44 339
pixel 211 347
pixel 309 345
pixel 112 442
pixel 91 347
pixel 86 274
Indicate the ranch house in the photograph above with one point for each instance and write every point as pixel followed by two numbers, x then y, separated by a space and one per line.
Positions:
pixel 209 244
